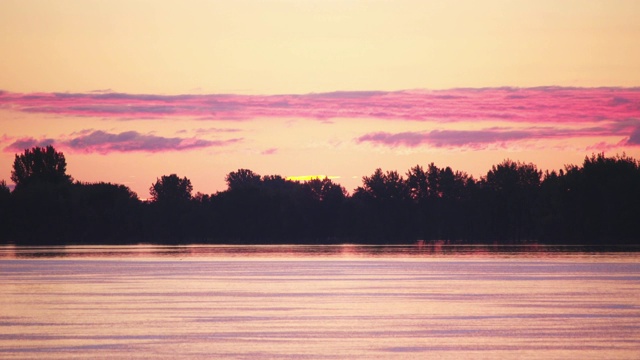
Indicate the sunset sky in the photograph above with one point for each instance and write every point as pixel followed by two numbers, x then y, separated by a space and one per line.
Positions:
pixel 133 90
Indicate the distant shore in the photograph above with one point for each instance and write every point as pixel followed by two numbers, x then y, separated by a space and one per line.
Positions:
pixel 515 203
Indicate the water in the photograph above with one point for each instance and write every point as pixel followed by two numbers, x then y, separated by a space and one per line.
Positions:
pixel 335 302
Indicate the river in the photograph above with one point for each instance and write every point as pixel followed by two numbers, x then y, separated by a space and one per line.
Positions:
pixel 319 302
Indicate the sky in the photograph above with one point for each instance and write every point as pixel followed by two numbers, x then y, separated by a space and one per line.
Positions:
pixel 133 90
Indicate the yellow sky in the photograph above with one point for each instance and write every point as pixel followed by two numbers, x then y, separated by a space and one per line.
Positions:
pixel 300 46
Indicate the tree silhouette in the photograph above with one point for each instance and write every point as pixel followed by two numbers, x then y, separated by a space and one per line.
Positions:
pixel 512 188
pixel 510 176
pixel 383 210
pixel 242 178
pixel 40 212
pixel 104 212
pixel 4 190
pixel 601 200
pixel 379 185
pixel 171 189
pixel 170 209
pixel 323 206
pixel 442 197
pixel 614 187
pixel 41 198
pixel 39 165
pixel 597 202
pixel 324 190
pixel 5 209
pixel 417 183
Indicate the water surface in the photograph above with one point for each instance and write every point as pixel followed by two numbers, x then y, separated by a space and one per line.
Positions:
pixel 319 302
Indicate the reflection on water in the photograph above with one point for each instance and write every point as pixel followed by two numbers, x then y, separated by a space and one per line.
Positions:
pixel 319 302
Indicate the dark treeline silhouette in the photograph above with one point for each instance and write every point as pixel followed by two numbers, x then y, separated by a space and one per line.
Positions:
pixel 596 203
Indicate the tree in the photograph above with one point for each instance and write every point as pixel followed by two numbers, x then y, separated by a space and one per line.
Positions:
pixel 103 212
pixel 4 190
pixel 513 176
pixel 418 183
pixel 5 210
pixel 323 208
pixel 171 189
pixel 324 190
pixel 170 209
pixel 442 199
pixel 387 186
pixel 513 188
pixel 40 165
pixel 383 207
pixel 601 200
pixel 436 183
pixel 241 179
pixel 41 198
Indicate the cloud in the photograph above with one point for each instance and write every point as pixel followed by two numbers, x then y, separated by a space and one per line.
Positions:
pixel 538 104
pixel 26 143
pixel 410 139
pixel 270 151
pixel 634 138
pixel 103 142
pixel 558 112
pixel 479 139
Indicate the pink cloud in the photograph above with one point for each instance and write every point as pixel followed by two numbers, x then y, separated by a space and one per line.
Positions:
pixel 26 143
pixel 599 112
pixel 103 142
pixel 478 139
pixel 540 104
pixel 270 151
pixel 634 137
pixel 129 141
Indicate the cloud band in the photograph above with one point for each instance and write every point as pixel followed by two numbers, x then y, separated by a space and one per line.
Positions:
pixel 540 104
pixel 129 141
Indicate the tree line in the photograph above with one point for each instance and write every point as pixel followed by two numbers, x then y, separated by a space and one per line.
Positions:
pixel 595 203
